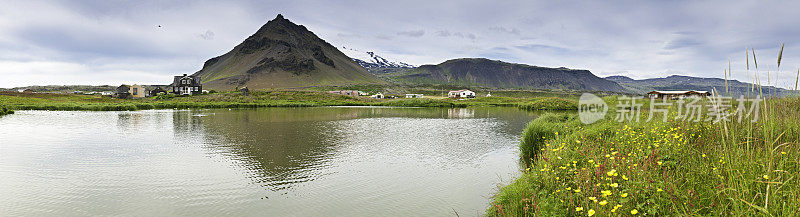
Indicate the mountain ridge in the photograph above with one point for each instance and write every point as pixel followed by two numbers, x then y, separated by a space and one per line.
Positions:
pixel 498 74
pixel 683 82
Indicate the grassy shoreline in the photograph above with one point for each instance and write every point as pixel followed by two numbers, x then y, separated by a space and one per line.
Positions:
pixel 71 102
pixel 5 111
pixel 609 168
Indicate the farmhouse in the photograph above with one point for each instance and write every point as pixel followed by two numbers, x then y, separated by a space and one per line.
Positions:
pixel 186 85
pixel 677 94
pixel 461 94
pixel 377 96
pixel 345 92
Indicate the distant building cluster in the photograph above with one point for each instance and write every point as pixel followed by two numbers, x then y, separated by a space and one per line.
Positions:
pixel 456 94
pixel 182 85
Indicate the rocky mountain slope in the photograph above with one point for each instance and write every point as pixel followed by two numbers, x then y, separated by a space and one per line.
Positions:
pixel 497 74
pixel 282 54
pixel 375 63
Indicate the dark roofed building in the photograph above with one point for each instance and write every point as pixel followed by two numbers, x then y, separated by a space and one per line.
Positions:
pixel 186 85
pixel 123 92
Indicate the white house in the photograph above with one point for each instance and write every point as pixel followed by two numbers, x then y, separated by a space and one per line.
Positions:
pixel 377 96
pixel 413 95
pixel 461 94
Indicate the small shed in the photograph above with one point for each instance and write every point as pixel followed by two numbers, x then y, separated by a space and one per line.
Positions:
pixel 158 91
pixel 414 95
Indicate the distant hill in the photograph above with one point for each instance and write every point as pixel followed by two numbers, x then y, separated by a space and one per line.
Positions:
pixel 282 54
pixel 679 82
pixel 497 74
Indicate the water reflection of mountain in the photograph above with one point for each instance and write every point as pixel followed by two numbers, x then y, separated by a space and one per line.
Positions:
pixel 278 148
pixel 281 147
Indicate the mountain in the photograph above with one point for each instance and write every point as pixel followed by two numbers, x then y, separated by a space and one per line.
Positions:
pixel 375 63
pixel 282 54
pixel 497 74
pixel 679 82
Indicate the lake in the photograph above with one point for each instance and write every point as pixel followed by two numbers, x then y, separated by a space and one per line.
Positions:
pixel 321 161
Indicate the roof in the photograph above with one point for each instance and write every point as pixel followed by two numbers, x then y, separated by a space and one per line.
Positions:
pixel 457 91
pixel 195 80
pixel 677 92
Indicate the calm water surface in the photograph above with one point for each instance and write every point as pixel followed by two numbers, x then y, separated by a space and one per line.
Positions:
pixel 329 161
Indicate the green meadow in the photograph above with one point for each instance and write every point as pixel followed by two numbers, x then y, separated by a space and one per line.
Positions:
pixel 256 99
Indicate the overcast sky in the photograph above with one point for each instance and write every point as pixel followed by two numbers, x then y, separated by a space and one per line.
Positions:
pixel 114 42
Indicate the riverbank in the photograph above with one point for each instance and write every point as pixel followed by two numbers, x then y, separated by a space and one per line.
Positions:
pixel 659 168
pixel 73 102
pixel 5 111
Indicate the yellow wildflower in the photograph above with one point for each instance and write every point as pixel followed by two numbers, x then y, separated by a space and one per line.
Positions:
pixel 624 195
pixel 578 190
pixel 766 177
pixel 590 213
pixel 578 209
pixel 625 178
pixel 603 203
pixel 659 162
pixel 634 211
pixel 614 185
pixel 659 190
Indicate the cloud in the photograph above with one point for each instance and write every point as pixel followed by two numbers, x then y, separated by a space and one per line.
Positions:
pixel 414 33
pixel 513 31
pixel 208 35
pixel 445 33
pixel 96 41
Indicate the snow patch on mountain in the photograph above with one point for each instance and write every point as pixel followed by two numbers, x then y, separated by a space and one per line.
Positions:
pixel 371 60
